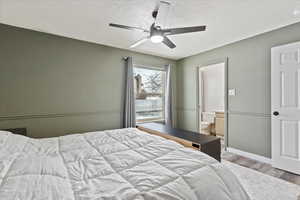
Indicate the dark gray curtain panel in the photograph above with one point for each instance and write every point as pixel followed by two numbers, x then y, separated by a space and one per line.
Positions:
pixel 129 103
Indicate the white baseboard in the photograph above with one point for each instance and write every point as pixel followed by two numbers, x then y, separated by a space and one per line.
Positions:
pixel 250 155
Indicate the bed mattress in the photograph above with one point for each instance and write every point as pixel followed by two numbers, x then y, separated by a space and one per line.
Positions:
pixel 108 165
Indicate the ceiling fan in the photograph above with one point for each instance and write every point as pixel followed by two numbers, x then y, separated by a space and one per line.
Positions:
pixel 156 33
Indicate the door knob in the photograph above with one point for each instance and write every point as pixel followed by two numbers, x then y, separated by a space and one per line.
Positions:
pixel 276 113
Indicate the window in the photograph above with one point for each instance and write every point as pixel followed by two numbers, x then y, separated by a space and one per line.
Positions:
pixel 149 91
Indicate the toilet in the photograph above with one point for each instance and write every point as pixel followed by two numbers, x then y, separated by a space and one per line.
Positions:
pixel 207 122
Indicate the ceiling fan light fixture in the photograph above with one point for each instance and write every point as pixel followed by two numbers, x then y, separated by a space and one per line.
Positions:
pixel 156 38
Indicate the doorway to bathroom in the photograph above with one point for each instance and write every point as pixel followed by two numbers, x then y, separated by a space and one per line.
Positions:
pixel 212 99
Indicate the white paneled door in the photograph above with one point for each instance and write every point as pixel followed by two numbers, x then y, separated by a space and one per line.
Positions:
pixel 286 107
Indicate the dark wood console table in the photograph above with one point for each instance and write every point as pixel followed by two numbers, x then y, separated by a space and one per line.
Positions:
pixel 210 145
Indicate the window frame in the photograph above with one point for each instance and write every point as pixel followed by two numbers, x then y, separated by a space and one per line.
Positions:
pixel 154 119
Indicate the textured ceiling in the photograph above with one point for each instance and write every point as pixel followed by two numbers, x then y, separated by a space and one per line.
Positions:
pixel 227 20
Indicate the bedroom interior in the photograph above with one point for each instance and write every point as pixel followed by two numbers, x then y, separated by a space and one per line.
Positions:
pixel 159 100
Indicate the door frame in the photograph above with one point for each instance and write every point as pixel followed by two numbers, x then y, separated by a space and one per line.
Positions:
pixel 206 64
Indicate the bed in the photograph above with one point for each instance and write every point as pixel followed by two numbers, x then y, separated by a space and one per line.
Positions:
pixel 109 165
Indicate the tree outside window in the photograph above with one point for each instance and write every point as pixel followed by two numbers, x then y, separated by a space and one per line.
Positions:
pixel 149 94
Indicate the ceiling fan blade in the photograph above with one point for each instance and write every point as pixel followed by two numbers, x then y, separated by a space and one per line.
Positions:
pixel 139 42
pixel 128 27
pixel 168 42
pixel 175 31
pixel 163 9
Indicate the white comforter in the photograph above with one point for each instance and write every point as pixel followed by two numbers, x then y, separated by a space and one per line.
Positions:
pixel 116 164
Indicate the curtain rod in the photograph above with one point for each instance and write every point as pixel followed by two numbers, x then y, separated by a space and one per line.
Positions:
pixel 146 66
pixel 160 68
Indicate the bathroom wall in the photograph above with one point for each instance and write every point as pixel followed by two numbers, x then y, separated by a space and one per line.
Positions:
pixel 212 77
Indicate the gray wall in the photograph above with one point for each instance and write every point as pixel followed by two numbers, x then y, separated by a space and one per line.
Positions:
pixel 54 85
pixel 249 72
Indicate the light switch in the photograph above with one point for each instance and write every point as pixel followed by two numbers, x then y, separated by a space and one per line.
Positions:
pixel 231 92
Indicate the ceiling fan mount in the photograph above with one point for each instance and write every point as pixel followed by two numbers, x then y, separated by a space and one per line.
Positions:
pixel 154 13
pixel 156 33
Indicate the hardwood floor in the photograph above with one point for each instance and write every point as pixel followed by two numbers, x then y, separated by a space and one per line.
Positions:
pixel 261 167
